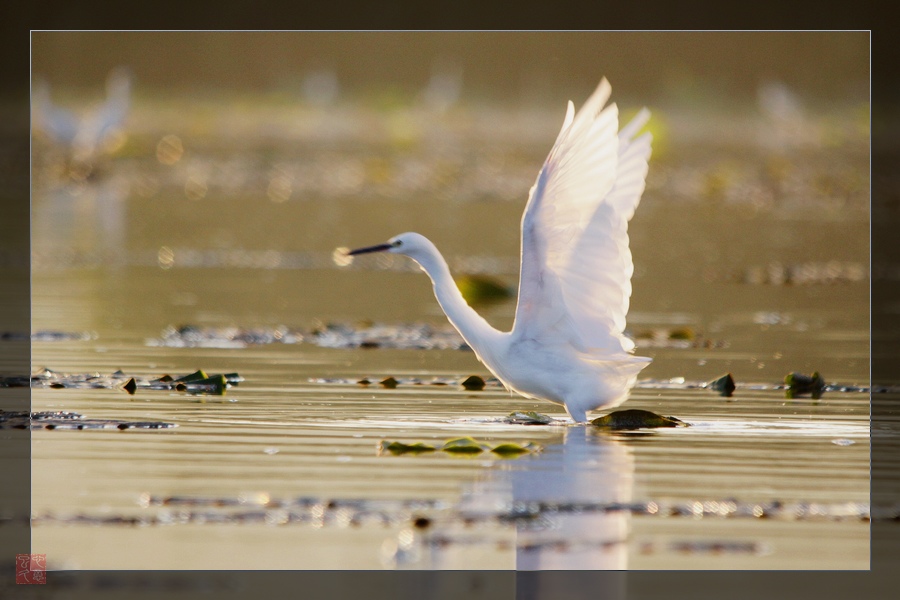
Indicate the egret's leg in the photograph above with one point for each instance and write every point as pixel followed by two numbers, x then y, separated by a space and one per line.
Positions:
pixel 578 415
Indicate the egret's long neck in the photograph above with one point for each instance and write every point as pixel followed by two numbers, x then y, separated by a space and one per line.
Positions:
pixel 475 330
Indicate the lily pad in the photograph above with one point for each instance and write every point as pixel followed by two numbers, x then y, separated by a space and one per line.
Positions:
pixel 511 449
pixel 624 420
pixel 724 385
pixel 799 385
pixel 397 448
pixel 528 417
pixel 464 445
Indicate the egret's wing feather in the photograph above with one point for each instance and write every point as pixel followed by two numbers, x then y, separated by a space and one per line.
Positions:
pixel 576 265
pixel 59 124
pixel 108 116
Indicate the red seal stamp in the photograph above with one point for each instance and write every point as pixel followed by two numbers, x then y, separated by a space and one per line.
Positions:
pixel 31 568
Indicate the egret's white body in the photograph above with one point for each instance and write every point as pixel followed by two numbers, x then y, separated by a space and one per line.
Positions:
pixel 567 343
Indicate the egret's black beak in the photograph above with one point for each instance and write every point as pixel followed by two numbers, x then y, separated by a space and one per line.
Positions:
pixel 366 250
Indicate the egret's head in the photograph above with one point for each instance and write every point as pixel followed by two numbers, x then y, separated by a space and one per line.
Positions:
pixel 409 244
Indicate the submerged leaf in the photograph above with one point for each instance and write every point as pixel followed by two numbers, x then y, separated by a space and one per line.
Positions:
pixel 635 419
pixel 528 417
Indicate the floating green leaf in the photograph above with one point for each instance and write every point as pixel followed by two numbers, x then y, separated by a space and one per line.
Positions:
pixel 195 376
pixel 397 448
pixel 464 445
pixel 799 385
pixel 724 385
pixel 635 419
pixel 510 449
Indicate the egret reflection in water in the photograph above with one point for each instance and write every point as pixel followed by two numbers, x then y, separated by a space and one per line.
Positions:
pixel 586 468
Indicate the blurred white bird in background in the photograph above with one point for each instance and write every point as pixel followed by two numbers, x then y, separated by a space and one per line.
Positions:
pixel 444 86
pixel 87 136
pixel 567 343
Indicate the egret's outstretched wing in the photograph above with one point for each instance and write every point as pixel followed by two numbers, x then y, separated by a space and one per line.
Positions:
pixel 575 282
pixel 108 116
pixel 57 123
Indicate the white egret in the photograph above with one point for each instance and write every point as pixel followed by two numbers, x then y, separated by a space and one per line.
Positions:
pixel 567 343
pixel 84 136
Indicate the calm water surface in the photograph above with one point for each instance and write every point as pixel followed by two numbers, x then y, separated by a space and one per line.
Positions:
pixel 751 257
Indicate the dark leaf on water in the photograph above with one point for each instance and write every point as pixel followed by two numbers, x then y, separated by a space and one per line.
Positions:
pixel 397 448
pixel 724 385
pixel 510 449
pixel 799 384
pixel 623 420
pixel 233 378
pixel 55 420
pixel 463 445
pixel 210 385
pixel 473 382
pixel 197 375
pixel 682 333
pixel 15 381
pixel 130 386
pixel 389 382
